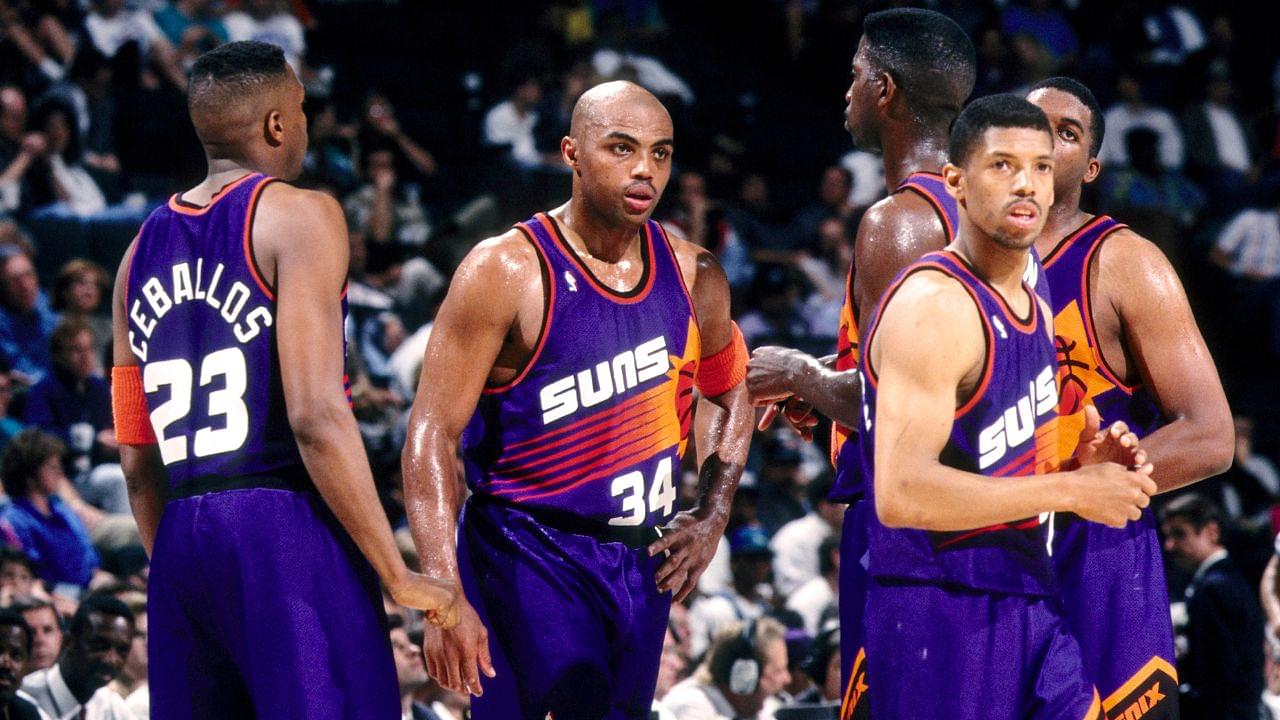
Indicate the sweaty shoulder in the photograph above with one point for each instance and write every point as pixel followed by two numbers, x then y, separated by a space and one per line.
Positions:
pixel 1129 264
pixel 931 309
pixel 289 218
pixel 903 219
pixel 705 278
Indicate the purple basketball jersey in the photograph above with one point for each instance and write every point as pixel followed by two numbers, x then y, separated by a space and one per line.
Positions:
pixel 595 424
pixel 1114 592
pixel 1007 428
pixel 201 324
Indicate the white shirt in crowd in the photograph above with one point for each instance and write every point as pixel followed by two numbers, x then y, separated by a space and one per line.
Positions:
pixel 1121 119
pixel 1228 137
pixel 795 551
pixel 109 34
pixel 505 125
pixel 50 694
pixel 710 613
pixel 1251 243
pixel 282 29
pixel 810 600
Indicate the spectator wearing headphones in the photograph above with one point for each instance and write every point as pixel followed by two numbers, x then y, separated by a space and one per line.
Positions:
pixel 745 668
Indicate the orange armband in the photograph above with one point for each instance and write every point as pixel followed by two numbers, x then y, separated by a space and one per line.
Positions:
pixel 721 372
pixel 129 407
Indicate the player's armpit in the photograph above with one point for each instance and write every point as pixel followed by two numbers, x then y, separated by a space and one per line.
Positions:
pixel 1172 360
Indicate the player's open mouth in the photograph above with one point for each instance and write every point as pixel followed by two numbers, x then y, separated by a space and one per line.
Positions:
pixel 1024 213
pixel 638 199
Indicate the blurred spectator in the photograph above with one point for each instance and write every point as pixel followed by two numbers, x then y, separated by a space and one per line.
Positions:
pixel 1251 486
pixel 1174 33
pixel 823 665
pixel 1157 201
pixel 1248 250
pixel 38 35
pixel 78 293
pixel 645 70
pixel 827 270
pixel 783 481
pixel 1132 111
pixel 26 320
pixel 799 686
pixel 411 671
pixel 512 122
pixel 1249 246
pixel 555 111
pixel 746 666
pixel 796 558
pixel 671 670
pixel 758 222
pixel 192 27
pixel 20 149
pixel 270 21
pixel 8 426
pixel 995 64
pixel 387 209
pixel 98 642
pixel 17 575
pixel 867 171
pixel 330 159
pixel 1221 671
pixel 131 683
pixel 815 599
pixel 1044 22
pixel 778 314
pixel 46 632
pixel 833 201
pixel 111 26
pixel 68 190
pixel 52 535
pixel 1220 146
pixel 74 404
pixel 748 598
pixel 380 130
pixel 15 647
pixel 87 93
pixel 701 220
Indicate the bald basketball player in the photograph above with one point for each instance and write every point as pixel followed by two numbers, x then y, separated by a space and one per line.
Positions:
pixel 960 425
pixel 562 367
pixel 1128 345
pixel 901 103
pixel 246 471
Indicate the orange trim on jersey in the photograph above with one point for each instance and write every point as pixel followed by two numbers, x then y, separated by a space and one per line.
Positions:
pixel 1154 665
pixel 1069 239
pixel 937 206
pixel 1095 708
pixel 602 416
pixel 856 688
pixel 1025 326
pixel 548 307
pixel 178 206
pixel 249 259
pixel 629 297
pixel 1086 310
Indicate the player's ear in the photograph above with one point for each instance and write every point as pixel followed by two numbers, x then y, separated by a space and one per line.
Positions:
pixel 953 178
pixel 273 129
pixel 569 152
pixel 1092 170
pixel 888 89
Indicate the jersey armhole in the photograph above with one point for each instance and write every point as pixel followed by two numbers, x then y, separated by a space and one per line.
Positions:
pixel 250 257
pixel 1086 295
pixel 548 307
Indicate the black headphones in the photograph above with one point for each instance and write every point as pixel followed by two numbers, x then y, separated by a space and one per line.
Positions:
pixel 738 667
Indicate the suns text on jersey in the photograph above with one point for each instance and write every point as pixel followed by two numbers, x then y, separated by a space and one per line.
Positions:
pixel 1017 424
pixel 162 294
pixel 626 370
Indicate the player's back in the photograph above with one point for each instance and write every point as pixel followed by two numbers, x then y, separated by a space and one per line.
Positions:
pixel 1007 428
pixel 201 324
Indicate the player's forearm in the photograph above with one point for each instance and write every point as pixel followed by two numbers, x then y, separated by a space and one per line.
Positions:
pixel 147 484
pixel 334 456
pixel 836 394
pixel 724 444
pixel 431 499
pixel 933 496
pixel 1188 450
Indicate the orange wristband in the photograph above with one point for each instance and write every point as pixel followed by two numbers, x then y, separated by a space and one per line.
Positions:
pixel 129 407
pixel 721 372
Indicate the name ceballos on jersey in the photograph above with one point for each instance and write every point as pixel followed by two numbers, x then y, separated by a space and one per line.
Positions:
pixel 183 285
pixel 594 385
pixel 1017 424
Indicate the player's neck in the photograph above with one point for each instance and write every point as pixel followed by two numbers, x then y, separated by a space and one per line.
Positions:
pixel 585 230
pixel 1065 217
pixel 1001 267
pixel 913 151
pixel 222 172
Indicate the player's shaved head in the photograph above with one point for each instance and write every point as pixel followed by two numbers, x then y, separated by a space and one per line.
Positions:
pixel 231 88
pixel 606 103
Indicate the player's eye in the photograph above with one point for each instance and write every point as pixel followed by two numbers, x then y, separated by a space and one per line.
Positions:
pixel 1044 167
pixel 661 153
pixel 1000 165
pixel 621 149
pixel 1068 135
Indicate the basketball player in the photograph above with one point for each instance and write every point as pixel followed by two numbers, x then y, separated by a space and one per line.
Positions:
pixel 1128 345
pixel 562 366
pixel 960 422
pixel 228 316
pixel 901 103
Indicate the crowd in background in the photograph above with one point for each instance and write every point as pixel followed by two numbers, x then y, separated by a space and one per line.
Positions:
pixel 438 124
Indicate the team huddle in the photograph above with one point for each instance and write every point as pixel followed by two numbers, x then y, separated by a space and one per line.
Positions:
pixel 1014 380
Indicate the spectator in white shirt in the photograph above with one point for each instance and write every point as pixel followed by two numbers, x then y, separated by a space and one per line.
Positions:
pixel 746 600
pixel 1132 111
pixel 795 545
pixel 812 600
pixel 1249 246
pixel 99 640
pixel 111 26
pixel 512 121
pixel 746 667
pixel 270 21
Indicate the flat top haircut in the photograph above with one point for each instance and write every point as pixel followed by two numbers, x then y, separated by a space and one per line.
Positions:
pixel 233 71
pixel 994 111
pixel 1081 92
pixel 928 55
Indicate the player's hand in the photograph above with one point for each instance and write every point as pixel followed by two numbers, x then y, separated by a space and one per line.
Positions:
pixel 771 372
pixel 453 656
pixel 437 598
pixel 691 538
pixel 797 413
pixel 1111 494
pixel 1114 444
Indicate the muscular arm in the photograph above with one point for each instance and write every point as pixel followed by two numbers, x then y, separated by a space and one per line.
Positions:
pixel 301 236
pixel 1172 360
pixel 474 320
pixel 144 473
pixel 722 441
pixel 915 407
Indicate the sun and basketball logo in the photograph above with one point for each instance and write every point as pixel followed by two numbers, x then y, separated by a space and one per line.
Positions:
pixel 1079 379
pixel 684 372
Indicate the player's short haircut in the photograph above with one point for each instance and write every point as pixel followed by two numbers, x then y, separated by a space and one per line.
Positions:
pixel 927 54
pixel 98 603
pixel 1197 510
pixel 1081 92
pixel 27 451
pixel 234 70
pixel 994 111
pixel 12 618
